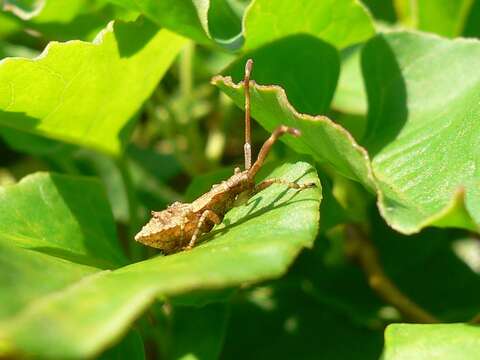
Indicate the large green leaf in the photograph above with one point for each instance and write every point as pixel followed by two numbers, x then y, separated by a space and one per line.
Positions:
pixel 341 22
pixel 86 93
pixel 425 342
pixel 50 214
pixel 422 132
pixel 444 17
pixel 81 309
pixel 423 128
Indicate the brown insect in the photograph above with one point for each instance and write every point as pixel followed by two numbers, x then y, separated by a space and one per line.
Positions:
pixel 179 226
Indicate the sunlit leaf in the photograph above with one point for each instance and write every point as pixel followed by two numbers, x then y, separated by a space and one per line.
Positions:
pixel 84 307
pixel 86 93
pixel 340 23
pixel 424 342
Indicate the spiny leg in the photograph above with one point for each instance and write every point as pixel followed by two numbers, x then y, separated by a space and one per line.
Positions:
pixel 292 185
pixel 247 147
pixel 267 145
pixel 206 215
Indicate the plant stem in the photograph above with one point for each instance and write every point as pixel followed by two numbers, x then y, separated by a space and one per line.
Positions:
pixel 186 70
pixel 362 249
pixel 184 115
pixel 135 251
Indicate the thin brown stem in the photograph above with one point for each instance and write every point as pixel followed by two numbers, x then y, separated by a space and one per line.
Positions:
pixel 362 249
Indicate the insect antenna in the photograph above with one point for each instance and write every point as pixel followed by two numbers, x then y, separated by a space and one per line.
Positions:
pixel 247 148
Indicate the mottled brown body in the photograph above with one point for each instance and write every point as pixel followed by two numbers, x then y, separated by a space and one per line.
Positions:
pixel 179 226
pixel 172 229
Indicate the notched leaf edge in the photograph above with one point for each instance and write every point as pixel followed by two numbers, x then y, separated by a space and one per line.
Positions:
pixel 453 214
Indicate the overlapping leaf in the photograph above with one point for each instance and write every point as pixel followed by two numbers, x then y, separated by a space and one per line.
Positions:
pixel 321 137
pixel 86 93
pixel 191 18
pixel 419 153
pixel 44 276
pixel 341 23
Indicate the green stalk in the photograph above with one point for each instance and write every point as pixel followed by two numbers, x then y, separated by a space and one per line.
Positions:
pixel 136 252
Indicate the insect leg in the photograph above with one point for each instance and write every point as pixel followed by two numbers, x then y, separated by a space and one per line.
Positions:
pixel 206 215
pixel 266 183
pixel 267 145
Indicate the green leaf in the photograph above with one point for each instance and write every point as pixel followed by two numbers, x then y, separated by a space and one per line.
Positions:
pixel 321 137
pixel 83 309
pixel 382 10
pixel 472 24
pixel 422 130
pixel 305 66
pixel 33 144
pixel 350 95
pixel 187 17
pixel 412 89
pixel 24 9
pixel 340 23
pixel 425 342
pixel 224 22
pixel 86 93
pixel 207 22
pixel 48 213
pixel 443 17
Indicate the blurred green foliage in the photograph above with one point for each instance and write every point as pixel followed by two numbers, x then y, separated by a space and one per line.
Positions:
pixel 108 110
